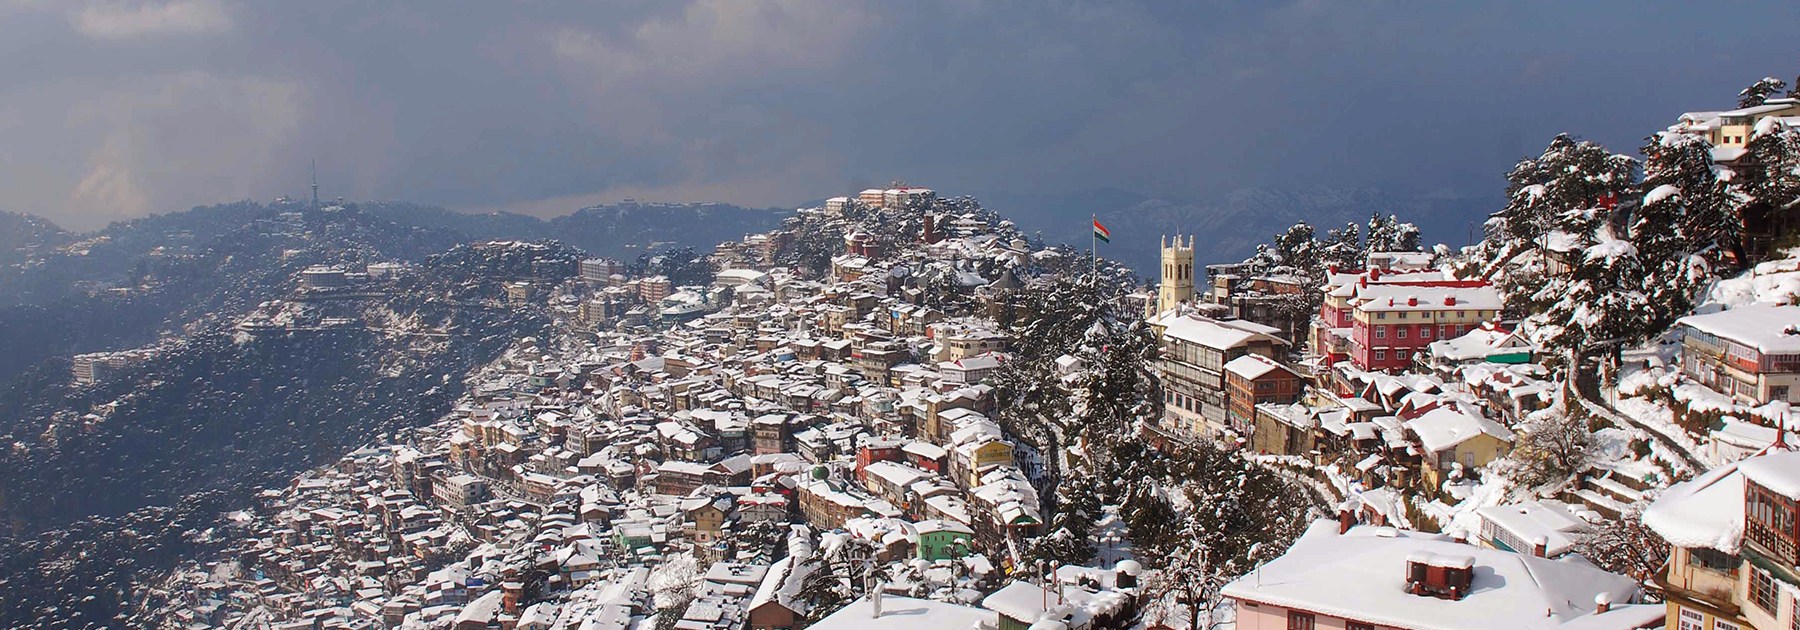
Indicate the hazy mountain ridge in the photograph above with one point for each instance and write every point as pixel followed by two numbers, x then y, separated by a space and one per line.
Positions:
pixel 21 235
pixel 621 230
pixel 120 288
pixel 102 481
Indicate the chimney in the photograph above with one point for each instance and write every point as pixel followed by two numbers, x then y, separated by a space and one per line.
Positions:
pixel 1412 300
pixel 1540 546
pixel 1346 520
pixel 1449 300
pixel 1375 273
pixel 1602 603
pixel 1461 537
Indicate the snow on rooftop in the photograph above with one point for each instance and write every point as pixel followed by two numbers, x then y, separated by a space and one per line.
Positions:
pixel 1769 329
pixel 1448 426
pixel 1253 366
pixel 1778 471
pixel 1213 333
pixel 1552 521
pixel 905 613
pixel 1704 512
pixel 1361 575
pixel 1383 297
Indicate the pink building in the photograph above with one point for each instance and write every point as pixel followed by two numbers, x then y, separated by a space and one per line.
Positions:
pixel 1331 330
pixel 1380 325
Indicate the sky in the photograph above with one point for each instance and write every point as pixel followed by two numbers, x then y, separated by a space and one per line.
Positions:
pixel 112 110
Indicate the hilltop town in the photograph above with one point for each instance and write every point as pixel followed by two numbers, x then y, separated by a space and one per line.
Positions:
pixel 897 410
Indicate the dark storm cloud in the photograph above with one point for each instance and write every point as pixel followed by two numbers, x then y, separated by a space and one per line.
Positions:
pixel 115 109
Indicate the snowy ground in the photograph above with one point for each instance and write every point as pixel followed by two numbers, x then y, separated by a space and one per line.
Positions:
pixel 1111 543
pixel 1773 282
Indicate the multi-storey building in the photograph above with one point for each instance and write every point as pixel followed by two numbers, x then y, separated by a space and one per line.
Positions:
pixel 873 197
pixel 1750 353
pixel 1392 322
pixel 655 288
pixel 1195 350
pixel 1730 132
pixel 1267 299
pixel 599 271
pixel 1329 340
pixel 908 196
pixel 836 206
pixel 1732 533
pixel 1253 379
pixel 459 491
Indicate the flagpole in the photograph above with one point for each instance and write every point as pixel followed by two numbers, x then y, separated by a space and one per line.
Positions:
pixel 1094 249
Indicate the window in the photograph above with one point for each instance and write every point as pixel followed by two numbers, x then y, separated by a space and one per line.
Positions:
pixel 1381 315
pixel 1712 559
pixel 1778 393
pixel 1692 620
pixel 1380 332
pixel 1400 331
pixel 1721 624
pixel 1300 620
pixel 1380 355
pixel 1358 625
pixel 1763 592
pixel 1425 331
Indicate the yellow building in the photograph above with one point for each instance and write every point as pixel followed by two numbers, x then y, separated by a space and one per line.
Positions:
pixel 1456 434
pixel 979 457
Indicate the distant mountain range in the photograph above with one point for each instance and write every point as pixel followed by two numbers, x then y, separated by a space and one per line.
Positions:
pixel 620 230
pixel 1228 228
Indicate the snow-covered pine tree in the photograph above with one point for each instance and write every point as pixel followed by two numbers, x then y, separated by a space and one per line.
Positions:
pixel 1120 390
pixel 1554 202
pixel 1389 234
pixel 1078 509
pixel 1760 91
pixel 1683 215
pixel 1599 302
pixel 1298 247
pixel 1766 183
pixel 1344 248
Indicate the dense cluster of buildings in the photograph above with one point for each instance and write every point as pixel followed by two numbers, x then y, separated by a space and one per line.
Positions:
pixel 784 425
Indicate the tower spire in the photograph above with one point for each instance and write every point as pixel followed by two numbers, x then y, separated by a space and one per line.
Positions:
pixel 315 184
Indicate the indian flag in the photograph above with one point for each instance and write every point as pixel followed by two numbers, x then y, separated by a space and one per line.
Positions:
pixel 1100 232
